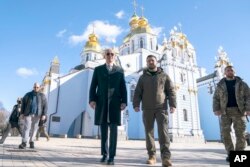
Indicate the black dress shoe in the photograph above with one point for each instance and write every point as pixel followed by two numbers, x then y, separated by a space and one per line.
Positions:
pixel 110 161
pixel 32 144
pixel 22 145
pixel 103 159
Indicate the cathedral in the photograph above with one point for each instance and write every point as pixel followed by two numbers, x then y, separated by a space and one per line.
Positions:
pixel 70 114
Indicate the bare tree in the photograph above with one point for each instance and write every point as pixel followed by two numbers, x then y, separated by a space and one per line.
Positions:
pixel 3 117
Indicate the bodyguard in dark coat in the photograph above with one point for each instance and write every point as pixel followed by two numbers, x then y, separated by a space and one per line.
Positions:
pixel 34 108
pixel 13 121
pixel 108 97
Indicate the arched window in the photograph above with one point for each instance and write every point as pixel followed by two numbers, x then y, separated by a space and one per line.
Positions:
pixel 151 43
pixel 133 46
pixel 164 57
pixel 141 43
pixel 183 77
pixel 185 115
pixel 87 57
pixel 164 60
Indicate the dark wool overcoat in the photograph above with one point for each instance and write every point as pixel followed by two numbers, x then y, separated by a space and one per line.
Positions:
pixel 108 90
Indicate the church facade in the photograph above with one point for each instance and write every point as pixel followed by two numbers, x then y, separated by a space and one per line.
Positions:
pixel 68 109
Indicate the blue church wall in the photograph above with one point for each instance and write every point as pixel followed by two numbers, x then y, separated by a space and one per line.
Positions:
pixel 209 122
pixel 72 103
pixel 136 127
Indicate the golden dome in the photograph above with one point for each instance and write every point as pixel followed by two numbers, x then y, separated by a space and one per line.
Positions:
pixel 92 44
pixel 142 22
pixel 143 26
pixel 138 25
pixel 55 60
pixel 93 38
pixel 134 21
pixel 46 81
pixel 140 29
pixel 182 40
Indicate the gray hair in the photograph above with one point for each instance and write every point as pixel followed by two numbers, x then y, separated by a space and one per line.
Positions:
pixel 105 51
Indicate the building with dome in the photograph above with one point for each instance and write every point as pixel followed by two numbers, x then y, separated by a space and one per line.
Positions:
pixel 68 109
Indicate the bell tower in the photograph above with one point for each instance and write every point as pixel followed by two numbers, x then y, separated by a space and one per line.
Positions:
pixel 92 50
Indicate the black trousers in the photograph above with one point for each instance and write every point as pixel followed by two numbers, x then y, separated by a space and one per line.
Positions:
pixel 108 147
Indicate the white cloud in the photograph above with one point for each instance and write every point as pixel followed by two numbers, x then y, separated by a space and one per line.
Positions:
pixel 61 33
pixel 76 39
pixel 157 30
pixel 120 14
pixel 102 29
pixel 25 72
pixel 107 46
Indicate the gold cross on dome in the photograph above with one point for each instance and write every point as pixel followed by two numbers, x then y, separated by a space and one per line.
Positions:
pixel 93 28
pixel 135 5
pixel 142 10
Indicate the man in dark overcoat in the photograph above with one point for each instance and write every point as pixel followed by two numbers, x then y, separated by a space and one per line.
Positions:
pixel 108 97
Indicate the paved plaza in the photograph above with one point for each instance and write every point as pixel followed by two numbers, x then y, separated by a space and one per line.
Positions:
pixel 66 152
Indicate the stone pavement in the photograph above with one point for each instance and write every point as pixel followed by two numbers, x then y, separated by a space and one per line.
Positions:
pixel 86 152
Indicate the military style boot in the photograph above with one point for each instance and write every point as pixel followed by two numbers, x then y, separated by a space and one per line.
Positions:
pixel 151 160
pixel 166 162
pixel 228 158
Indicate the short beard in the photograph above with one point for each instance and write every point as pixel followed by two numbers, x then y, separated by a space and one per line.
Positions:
pixel 230 77
pixel 152 68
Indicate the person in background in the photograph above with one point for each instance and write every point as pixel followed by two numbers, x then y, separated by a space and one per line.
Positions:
pixel 231 101
pixel 13 121
pixel 42 129
pixel 34 108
